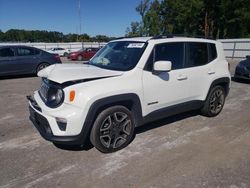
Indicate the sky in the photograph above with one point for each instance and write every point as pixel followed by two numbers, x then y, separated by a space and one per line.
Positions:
pixel 106 17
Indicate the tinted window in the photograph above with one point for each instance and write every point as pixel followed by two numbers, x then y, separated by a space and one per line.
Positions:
pixel 36 51
pixel 24 51
pixel 6 52
pixel 197 54
pixel 173 52
pixel 212 52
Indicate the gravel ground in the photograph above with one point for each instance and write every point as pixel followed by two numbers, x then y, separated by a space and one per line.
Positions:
pixel 187 150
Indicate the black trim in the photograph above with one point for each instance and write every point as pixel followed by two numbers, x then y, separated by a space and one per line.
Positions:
pixel 130 100
pixel 34 103
pixel 151 103
pixel 224 81
pixel 70 83
pixel 181 35
pixel 172 110
pixel 43 127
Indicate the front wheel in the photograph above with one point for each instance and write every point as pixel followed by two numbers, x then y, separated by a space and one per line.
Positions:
pixel 113 129
pixel 214 102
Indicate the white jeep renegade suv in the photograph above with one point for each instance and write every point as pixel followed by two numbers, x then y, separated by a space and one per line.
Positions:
pixel 129 82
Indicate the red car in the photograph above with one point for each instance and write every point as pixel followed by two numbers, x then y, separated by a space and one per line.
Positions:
pixel 83 54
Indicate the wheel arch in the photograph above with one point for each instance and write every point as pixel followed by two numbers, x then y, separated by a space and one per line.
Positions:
pixel 129 100
pixel 224 82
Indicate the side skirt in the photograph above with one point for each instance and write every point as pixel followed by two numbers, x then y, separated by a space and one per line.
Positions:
pixel 172 110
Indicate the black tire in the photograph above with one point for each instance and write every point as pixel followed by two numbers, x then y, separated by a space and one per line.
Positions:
pixel 113 129
pixel 65 54
pixel 79 58
pixel 41 66
pixel 214 102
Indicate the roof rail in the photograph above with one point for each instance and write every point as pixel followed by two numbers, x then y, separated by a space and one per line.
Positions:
pixel 179 35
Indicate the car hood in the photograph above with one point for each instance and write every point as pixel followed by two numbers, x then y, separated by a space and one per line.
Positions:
pixel 62 73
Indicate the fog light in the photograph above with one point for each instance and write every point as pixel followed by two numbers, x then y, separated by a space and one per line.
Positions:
pixel 62 123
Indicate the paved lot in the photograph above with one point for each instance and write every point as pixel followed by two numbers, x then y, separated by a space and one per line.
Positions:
pixel 183 151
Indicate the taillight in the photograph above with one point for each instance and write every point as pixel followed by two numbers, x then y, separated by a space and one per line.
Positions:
pixel 57 57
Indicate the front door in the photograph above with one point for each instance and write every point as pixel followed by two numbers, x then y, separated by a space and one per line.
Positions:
pixel 164 89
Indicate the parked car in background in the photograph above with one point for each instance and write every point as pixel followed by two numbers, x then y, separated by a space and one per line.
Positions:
pixel 17 60
pixel 242 70
pixel 83 54
pixel 60 51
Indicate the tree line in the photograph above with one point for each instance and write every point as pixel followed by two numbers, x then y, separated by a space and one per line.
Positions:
pixel 208 18
pixel 17 35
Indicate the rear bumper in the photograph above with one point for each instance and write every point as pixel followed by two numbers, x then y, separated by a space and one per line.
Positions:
pixel 44 128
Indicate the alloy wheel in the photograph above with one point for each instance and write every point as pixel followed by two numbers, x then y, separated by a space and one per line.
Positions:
pixel 115 130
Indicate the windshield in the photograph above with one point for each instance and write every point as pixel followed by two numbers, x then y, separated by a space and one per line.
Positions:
pixel 122 55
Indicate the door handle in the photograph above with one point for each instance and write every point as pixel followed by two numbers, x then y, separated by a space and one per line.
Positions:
pixel 211 72
pixel 182 77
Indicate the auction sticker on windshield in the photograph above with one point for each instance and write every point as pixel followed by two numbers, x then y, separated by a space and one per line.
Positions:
pixel 136 45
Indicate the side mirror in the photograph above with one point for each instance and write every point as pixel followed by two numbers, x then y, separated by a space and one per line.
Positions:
pixel 162 66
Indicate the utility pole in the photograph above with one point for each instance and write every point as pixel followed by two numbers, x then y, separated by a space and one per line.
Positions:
pixel 80 18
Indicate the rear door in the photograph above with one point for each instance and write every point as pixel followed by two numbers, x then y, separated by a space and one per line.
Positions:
pixel 198 66
pixel 7 64
pixel 26 59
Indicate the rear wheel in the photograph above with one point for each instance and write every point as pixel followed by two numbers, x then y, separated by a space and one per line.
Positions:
pixel 214 102
pixel 79 58
pixel 113 129
pixel 41 66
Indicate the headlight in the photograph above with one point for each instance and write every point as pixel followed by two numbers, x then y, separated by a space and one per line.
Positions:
pixel 51 94
pixel 55 97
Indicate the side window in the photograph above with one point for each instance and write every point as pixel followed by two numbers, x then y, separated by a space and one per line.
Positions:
pixel 24 51
pixel 212 52
pixel 170 52
pixel 6 52
pixel 173 52
pixel 197 54
pixel 36 51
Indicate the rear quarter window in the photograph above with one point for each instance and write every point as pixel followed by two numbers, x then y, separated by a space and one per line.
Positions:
pixel 22 51
pixel 212 51
pixel 197 54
